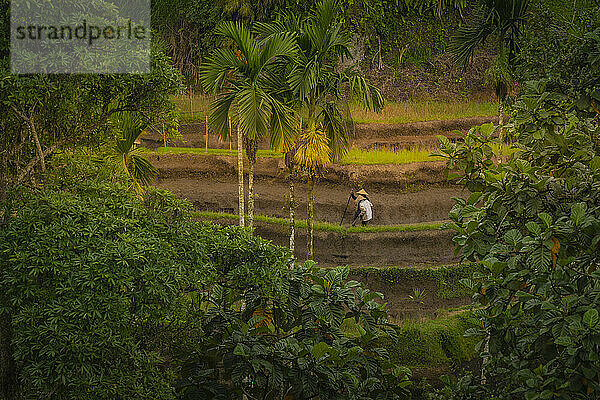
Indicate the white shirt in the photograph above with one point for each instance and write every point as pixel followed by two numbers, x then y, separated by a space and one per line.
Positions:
pixel 366 210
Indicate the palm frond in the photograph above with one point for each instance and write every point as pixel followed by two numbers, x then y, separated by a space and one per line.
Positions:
pixel 130 126
pixel 215 71
pixel 469 36
pixel 243 39
pixel 503 18
pixel 364 92
pixel 313 152
pixel 253 105
pixel 219 117
pixel 141 169
pixel 337 136
pixel 276 46
pixel 283 127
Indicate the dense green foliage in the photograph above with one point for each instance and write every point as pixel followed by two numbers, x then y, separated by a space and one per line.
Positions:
pixel 534 223
pixel 92 280
pixel 111 295
pixel 187 28
pixel 291 342
pixel 45 112
pixel 570 61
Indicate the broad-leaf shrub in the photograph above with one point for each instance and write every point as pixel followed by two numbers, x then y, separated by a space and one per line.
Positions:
pixel 316 336
pixel 96 282
pixel 534 224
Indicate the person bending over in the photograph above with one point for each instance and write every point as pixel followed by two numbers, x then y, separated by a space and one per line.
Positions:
pixel 364 208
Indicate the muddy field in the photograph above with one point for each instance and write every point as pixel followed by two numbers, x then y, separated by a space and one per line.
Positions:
pixel 272 198
pixel 366 136
pixel 401 194
pixel 210 183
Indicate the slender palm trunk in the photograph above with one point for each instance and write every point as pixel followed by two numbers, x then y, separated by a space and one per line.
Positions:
pixel 309 217
pixel 501 133
pixel 240 157
pixel 292 207
pixel 250 193
pixel 485 361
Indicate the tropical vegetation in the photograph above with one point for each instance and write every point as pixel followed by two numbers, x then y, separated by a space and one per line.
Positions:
pixel 113 289
pixel 245 77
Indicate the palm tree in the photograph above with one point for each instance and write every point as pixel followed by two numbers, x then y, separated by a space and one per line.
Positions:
pixel 503 19
pixel 313 153
pixel 244 77
pixel 318 89
pixel 124 154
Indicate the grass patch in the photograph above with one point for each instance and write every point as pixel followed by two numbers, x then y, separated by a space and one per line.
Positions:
pixel 446 278
pixel 427 342
pixel 354 156
pixel 402 156
pixel 326 226
pixel 211 152
pixel 422 110
pixel 434 342
pixel 394 112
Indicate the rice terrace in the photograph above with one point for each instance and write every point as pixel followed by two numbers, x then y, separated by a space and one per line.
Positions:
pixel 295 200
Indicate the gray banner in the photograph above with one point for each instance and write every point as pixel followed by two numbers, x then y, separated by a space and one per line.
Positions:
pixel 105 36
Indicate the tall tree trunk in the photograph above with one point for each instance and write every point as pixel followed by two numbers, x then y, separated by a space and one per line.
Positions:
pixel 38 146
pixel 251 192
pixel 292 209
pixel 309 217
pixel 240 157
pixel 501 133
pixel 8 369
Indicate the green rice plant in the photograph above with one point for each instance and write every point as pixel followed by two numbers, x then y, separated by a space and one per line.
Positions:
pixel 327 226
pixel 424 110
pixel 402 156
pixel 418 295
pixel 354 156
pixel 211 152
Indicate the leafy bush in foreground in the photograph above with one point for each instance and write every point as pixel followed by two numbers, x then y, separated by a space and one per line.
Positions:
pixel 107 295
pixel 534 224
pixel 295 342
pixel 93 286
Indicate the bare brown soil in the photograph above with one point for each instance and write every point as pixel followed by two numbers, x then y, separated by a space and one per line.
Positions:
pixel 210 183
pixel 401 306
pixel 359 249
pixel 393 136
pixel 394 176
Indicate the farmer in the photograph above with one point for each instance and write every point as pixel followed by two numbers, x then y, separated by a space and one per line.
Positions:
pixel 364 208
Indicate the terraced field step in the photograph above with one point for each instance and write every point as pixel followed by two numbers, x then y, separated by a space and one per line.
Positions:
pixel 329 227
pixel 193 134
pixel 391 205
pixel 418 291
pixel 408 245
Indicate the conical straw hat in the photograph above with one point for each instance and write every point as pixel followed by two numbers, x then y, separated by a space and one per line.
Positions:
pixel 363 192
